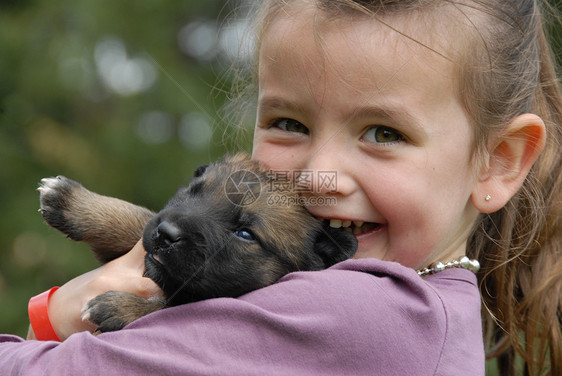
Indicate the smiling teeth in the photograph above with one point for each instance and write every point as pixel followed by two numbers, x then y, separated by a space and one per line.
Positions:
pixel 355 227
pixel 335 223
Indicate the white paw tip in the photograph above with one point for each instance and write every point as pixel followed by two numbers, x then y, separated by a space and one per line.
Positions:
pixel 85 316
pixel 50 182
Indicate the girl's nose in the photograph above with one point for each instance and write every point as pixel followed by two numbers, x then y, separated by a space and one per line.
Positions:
pixel 326 173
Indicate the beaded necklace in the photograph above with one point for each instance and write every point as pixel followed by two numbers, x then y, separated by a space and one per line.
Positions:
pixel 436 267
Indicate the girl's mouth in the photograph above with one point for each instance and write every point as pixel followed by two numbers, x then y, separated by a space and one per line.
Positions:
pixel 355 227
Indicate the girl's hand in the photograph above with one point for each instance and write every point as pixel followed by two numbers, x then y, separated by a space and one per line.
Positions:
pixel 122 274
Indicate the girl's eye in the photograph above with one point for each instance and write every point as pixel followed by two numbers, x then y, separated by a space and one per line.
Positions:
pixel 245 234
pixel 382 135
pixel 289 125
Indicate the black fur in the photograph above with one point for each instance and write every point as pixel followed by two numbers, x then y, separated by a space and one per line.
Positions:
pixel 204 245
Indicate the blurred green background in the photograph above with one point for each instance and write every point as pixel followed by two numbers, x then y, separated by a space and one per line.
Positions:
pixel 123 96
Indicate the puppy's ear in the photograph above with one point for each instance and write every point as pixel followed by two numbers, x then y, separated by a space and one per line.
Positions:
pixel 334 245
pixel 200 170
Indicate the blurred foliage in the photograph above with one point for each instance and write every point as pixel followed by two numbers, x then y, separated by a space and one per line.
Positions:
pixel 59 116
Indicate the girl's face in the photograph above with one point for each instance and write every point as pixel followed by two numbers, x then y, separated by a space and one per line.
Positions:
pixel 382 112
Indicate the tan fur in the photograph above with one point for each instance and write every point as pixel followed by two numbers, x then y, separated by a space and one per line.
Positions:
pixel 203 244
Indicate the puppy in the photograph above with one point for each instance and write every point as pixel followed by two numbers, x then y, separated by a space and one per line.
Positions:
pixel 225 234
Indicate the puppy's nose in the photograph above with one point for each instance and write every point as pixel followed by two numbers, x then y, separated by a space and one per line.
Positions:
pixel 168 233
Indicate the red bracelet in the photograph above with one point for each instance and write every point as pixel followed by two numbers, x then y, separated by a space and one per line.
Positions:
pixel 39 316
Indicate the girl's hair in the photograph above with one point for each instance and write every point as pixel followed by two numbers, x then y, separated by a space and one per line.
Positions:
pixel 506 69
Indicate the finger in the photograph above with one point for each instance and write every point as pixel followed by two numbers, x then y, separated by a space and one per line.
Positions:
pixel 138 249
pixel 148 288
pixel 133 259
pixel 143 286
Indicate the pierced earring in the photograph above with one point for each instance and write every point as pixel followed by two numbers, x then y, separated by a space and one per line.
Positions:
pixel 488 198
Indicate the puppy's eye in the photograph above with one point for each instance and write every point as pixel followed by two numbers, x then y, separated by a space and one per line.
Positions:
pixel 245 234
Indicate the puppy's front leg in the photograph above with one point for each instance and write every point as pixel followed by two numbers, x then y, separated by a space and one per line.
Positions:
pixel 109 225
pixel 115 309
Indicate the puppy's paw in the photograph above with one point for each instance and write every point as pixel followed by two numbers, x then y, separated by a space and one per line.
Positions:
pixel 114 310
pixel 57 197
pixel 106 312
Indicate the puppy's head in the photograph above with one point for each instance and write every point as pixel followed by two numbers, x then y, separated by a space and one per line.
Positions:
pixel 230 232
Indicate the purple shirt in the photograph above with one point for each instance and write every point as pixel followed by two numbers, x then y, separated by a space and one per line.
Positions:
pixel 360 317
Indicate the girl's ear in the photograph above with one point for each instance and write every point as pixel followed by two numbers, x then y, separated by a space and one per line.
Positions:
pixel 509 162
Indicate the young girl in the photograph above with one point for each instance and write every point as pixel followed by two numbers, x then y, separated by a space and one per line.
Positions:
pixel 434 115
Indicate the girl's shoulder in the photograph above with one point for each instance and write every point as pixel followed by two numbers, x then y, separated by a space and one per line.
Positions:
pixel 390 310
pixel 360 317
pixel 374 282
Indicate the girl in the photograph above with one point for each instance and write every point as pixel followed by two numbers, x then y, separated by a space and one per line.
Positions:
pixel 434 115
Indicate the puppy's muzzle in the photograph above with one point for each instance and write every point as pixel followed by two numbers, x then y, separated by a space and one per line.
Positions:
pixel 167 233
